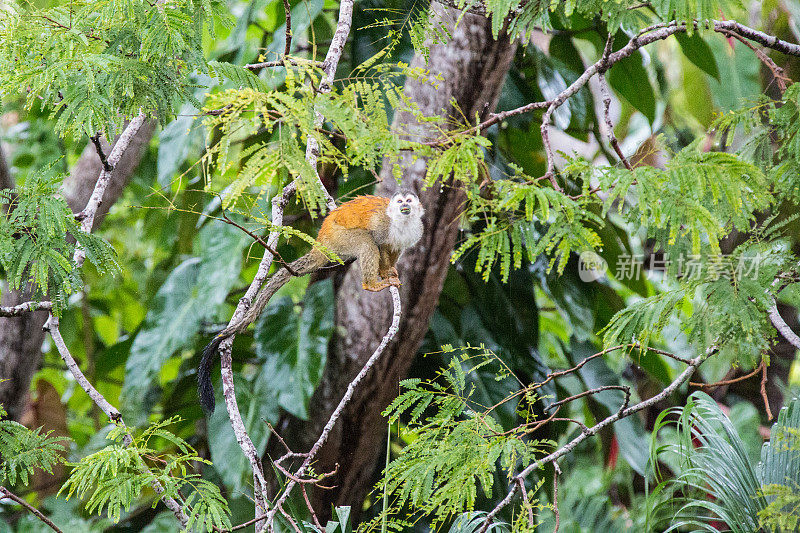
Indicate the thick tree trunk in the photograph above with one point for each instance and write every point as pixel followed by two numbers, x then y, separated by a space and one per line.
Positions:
pixel 21 337
pixel 472 67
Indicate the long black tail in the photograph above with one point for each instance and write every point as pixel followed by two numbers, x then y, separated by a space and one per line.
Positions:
pixel 205 389
pixel 305 265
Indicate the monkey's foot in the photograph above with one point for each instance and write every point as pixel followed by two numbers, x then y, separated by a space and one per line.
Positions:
pixel 394 281
pixel 376 286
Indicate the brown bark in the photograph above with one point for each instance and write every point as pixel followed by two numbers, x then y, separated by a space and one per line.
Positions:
pixel 21 337
pixel 472 67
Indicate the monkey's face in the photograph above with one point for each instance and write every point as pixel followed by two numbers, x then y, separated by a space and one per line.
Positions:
pixel 404 204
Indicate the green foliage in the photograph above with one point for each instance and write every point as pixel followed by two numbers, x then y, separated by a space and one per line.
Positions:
pixel 115 477
pixel 699 195
pixel 715 480
pixel 285 120
pixel 779 472
pixel 24 450
pixel 187 298
pixel 35 245
pixel 97 63
pixel 509 216
pixel 455 445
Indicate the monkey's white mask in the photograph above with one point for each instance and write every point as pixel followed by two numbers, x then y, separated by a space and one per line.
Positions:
pixel 405 212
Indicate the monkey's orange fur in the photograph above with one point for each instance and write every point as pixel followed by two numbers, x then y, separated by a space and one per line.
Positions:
pixel 355 214
pixel 371 229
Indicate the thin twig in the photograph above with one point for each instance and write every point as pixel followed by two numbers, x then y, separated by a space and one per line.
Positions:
pixel 612 139
pixel 764 389
pixel 623 388
pixel 526 503
pixel 282 63
pixel 724 382
pixel 314 517
pixel 31 509
pixel 99 148
pixel 25 307
pixel 777 72
pixel 260 241
pixel 291 521
pixel 556 473
pixel 288 47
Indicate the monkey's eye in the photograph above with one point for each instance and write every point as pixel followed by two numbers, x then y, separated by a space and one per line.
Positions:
pixel 399 200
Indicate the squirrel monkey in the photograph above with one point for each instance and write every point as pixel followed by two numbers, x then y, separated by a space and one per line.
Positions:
pixel 371 229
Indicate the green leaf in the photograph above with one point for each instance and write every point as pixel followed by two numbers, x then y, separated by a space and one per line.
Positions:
pixel 698 52
pixel 189 296
pixel 739 72
pixel 257 404
pixel 292 340
pixel 629 78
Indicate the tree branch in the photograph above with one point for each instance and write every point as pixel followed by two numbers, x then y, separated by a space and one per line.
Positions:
pixel 622 413
pixel 345 399
pixel 33 510
pixel 26 307
pixel 87 215
pixel 329 68
pixel 226 363
pixel 782 327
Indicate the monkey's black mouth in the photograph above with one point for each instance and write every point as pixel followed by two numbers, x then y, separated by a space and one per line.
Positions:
pixel 405 209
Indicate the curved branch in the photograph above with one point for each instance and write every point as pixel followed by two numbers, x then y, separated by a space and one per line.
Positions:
pixel 25 307
pixel 343 402
pixel 33 510
pixel 782 327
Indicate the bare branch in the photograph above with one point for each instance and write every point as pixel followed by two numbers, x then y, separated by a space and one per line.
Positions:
pixel 280 63
pixel 531 519
pixel 33 510
pixel 288 10
pixel 345 399
pixel 111 412
pixel 612 139
pixel 623 388
pixel 782 327
pixel 555 495
pixel 777 72
pixel 86 216
pixel 764 389
pixel 100 153
pixel 26 307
